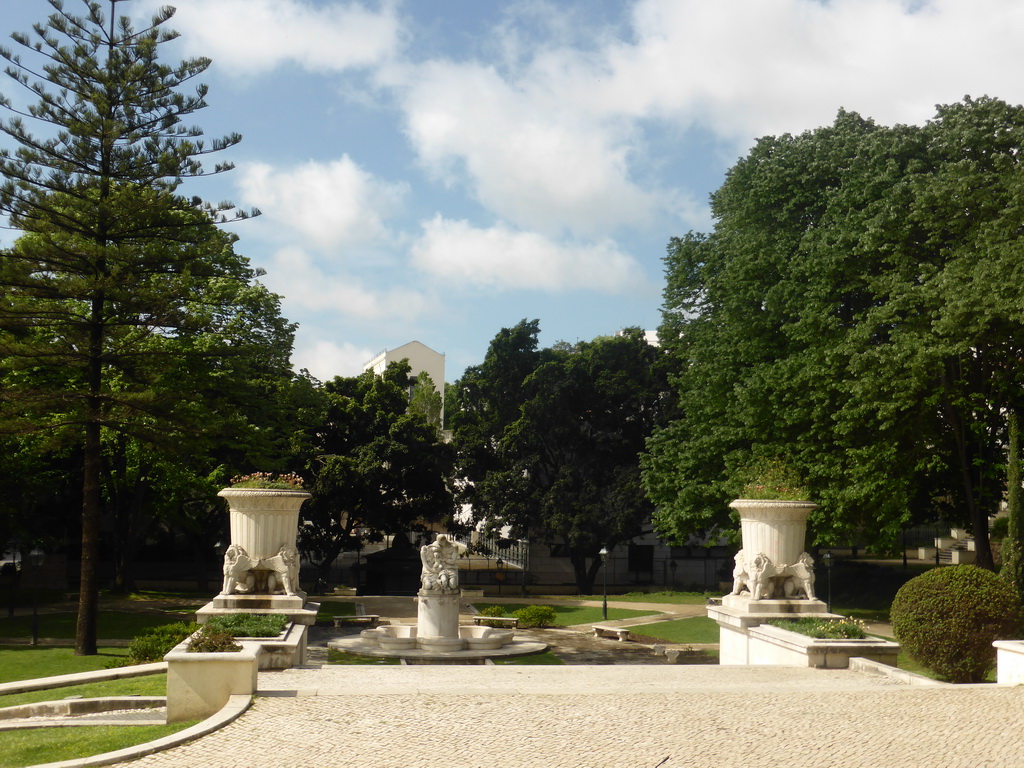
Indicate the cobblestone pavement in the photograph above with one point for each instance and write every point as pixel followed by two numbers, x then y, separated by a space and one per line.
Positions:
pixel 621 716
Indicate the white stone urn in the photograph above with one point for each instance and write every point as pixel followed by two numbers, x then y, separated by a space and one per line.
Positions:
pixel 265 525
pixel 774 527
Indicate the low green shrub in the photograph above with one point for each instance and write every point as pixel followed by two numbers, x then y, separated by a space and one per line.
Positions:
pixel 946 619
pixel 153 644
pixel 536 616
pixel 249 624
pixel 827 629
pixel 209 640
pixel 493 611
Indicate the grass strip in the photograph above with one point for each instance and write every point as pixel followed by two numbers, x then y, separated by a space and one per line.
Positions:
pixel 694 630
pixel 545 658
pixel 50 745
pixel 340 657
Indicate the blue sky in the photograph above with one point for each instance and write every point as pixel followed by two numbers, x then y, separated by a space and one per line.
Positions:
pixel 439 169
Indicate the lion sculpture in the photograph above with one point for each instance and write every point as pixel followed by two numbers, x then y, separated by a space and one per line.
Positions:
pixel 755 573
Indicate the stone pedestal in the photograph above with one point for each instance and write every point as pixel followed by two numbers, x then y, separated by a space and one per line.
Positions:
pixel 294 607
pixel 437 615
pixel 773 578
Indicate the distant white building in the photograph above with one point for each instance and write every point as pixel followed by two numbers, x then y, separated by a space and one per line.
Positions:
pixel 421 358
pixel 651 337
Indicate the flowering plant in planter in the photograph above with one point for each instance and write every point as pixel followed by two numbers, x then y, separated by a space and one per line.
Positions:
pixel 771 478
pixel 828 629
pixel 268 480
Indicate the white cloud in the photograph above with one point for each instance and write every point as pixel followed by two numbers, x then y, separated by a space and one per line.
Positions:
pixel 554 137
pixel 327 359
pixel 500 257
pixel 330 204
pixel 254 36
pixel 526 154
pixel 308 286
pixel 751 67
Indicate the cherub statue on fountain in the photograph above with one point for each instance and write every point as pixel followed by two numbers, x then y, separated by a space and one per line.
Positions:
pixel 440 573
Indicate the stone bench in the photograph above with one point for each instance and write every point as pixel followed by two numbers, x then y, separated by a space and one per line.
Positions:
pixel 505 621
pixel 621 633
pixel 371 618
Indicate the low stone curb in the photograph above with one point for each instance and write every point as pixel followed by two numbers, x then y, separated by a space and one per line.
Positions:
pixel 56 712
pixel 230 712
pixel 858 664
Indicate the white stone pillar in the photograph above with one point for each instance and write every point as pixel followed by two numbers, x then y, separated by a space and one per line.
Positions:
pixel 437 615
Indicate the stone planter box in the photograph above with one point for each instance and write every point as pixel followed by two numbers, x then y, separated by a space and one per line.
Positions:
pixel 1009 662
pixel 200 684
pixel 774 646
pixel 282 652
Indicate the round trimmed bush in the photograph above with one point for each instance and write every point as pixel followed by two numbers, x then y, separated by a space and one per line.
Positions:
pixel 947 619
pixel 536 616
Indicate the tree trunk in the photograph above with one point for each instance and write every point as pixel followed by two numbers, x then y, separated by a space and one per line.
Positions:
pixel 973 494
pixel 585 574
pixel 1012 552
pixel 88 590
pixel 92 500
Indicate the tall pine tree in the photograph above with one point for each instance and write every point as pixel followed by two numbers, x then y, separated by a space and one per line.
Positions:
pixel 108 271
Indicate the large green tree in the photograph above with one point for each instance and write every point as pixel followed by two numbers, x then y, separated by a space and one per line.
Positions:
pixel 549 440
pixel 853 311
pixel 112 254
pixel 377 467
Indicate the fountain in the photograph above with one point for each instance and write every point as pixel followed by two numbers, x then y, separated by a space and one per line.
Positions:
pixel 437 634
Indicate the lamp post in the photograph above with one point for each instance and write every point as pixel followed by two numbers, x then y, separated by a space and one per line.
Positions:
pixel 500 575
pixel 604 567
pixel 827 559
pixel 36 557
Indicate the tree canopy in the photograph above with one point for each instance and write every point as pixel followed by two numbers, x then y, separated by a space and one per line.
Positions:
pixel 121 292
pixel 855 312
pixel 549 440
pixel 378 467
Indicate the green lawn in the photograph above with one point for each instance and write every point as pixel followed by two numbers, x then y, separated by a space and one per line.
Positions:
pixel 331 608
pixel 666 597
pixel 45 745
pixel 694 630
pixel 111 625
pixel 864 614
pixel 148 685
pixel 23 662
pixel 567 615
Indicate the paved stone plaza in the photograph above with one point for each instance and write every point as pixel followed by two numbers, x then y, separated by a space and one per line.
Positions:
pixel 614 716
